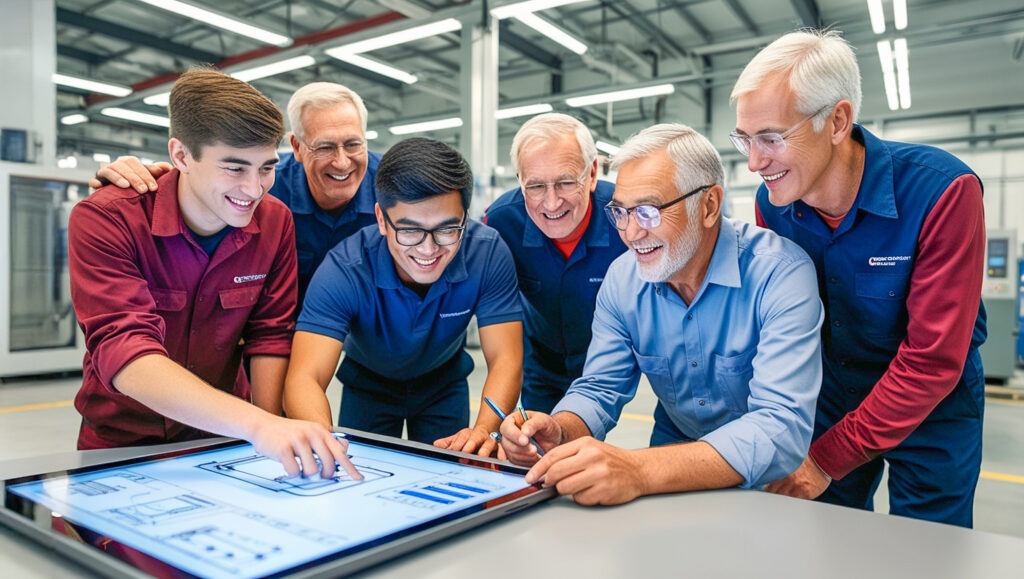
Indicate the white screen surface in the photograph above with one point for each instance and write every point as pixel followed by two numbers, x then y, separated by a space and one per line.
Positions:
pixel 233 513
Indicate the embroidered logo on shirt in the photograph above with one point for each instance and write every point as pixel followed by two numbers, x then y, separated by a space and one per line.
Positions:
pixel 245 278
pixel 596 280
pixel 887 261
pixel 455 314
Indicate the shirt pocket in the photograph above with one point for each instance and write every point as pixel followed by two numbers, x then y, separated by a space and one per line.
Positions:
pixel 659 374
pixel 529 286
pixel 732 379
pixel 881 299
pixel 168 300
pixel 242 297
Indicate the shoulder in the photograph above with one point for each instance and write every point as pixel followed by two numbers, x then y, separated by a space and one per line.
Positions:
pixel 603 193
pixel 509 203
pixel 763 245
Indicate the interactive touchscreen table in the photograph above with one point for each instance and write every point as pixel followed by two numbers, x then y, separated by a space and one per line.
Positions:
pixel 226 511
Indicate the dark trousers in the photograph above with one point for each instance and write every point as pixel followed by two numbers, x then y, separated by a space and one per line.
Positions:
pixel 933 473
pixel 431 406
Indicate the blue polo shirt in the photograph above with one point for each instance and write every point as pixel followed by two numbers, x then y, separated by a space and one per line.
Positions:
pixel 316 231
pixel 558 294
pixel 357 297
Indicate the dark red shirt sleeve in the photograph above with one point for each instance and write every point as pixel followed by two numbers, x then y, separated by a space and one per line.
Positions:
pixel 757 214
pixel 942 304
pixel 112 300
pixel 271 323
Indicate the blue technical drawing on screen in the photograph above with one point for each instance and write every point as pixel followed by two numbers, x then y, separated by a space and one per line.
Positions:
pixel 233 513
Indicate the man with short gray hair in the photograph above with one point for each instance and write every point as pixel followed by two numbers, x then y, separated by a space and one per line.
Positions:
pixel 562 247
pixel 723 319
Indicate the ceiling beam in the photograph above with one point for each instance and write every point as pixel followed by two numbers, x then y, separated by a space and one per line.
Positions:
pixel 808 12
pixel 133 36
pixel 742 16
pixel 528 49
pixel 92 58
pixel 695 24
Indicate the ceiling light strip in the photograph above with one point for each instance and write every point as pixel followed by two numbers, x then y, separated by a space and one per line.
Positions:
pixel 513 112
pixel 888 75
pixel 899 14
pixel 877 16
pixel 373 65
pixel 279 67
pixel 620 95
pixel 520 8
pixel 402 36
pixel 552 32
pixel 91 85
pixel 450 123
pixel 220 21
pixel 136 116
pixel 902 58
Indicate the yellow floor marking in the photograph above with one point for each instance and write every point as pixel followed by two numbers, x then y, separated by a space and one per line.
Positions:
pixel 1011 478
pixel 40 406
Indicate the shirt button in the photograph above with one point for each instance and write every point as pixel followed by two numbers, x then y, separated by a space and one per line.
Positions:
pixel 832 280
pixel 892 294
pixel 694 363
pixel 200 298
pixel 701 402
pixel 657 290
pixel 842 363
pixel 837 324
pixel 689 316
pixel 851 390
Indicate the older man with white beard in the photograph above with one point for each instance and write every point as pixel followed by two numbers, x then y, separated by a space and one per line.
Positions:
pixel 722 317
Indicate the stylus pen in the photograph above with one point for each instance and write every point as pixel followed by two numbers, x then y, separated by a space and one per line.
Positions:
pixel 502 415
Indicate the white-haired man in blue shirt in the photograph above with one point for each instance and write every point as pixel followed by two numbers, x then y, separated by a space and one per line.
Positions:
pixel 722 317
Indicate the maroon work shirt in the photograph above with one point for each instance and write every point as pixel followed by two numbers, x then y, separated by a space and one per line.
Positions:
pixel 141 285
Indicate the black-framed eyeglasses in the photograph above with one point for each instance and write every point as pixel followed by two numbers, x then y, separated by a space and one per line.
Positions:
pixel 562 188
pixel 646 216
pixel 413 236
pixel 327 149
pixel 768 143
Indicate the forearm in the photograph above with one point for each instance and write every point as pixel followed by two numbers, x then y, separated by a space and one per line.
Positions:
pixel 170 390
pixel 305 399
pixel 572 426
pixel 267 375
pixel 501 386
pixel 685 467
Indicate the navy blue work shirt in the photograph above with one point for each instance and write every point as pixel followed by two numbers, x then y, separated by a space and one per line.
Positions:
pixel 357 297
pixel 558 294
pixel 316 231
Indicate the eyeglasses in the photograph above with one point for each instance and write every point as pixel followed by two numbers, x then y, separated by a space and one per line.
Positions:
pixel 768 143
pixel 328 150
pixel 646 216
pixel 562 188
pixel 413 236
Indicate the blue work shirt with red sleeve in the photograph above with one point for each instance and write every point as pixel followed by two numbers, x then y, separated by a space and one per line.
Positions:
pixel 141 285
pixel 317 231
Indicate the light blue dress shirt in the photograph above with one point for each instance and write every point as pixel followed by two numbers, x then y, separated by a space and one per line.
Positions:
pixel 739 368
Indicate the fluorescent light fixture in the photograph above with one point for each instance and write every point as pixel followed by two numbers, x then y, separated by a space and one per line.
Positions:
pixel 372 65
pixel 553 32
pixel 159 100
pixel 92 85
pixel 220 21
pixel 73 119
pixel 423 127
pixel 606 147
pixel 371 135
pixel 899 14
pixel 271 69
pixel 136 116
pixel 888 74
pixel 512 112
pixel 620 95
pixel 877 16
pixel 101 157
pixel 520 8
pixel 69 162
pixel 902 71
pixel 401 37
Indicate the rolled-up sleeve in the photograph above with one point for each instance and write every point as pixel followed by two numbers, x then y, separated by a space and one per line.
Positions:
pixel 771 440
pixel 112 301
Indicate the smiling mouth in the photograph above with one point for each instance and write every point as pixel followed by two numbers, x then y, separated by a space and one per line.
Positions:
pixel 775 177
pixel 241 203
pixel 556 217
pixel 339 177
pixel 426 262
pixel 646 250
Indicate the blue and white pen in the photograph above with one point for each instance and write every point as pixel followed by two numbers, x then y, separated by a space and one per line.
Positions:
pixel 502 415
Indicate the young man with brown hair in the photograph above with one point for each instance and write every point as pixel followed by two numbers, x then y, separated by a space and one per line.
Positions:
pixel 168 284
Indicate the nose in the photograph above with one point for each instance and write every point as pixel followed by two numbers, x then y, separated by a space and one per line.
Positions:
pixel 757 159
pixel 633 230
pixel 551 199
pixel 253 186
pixel 340 160
pixel 427 246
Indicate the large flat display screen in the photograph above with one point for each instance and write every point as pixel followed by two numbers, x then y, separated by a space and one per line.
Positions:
pixel 228 512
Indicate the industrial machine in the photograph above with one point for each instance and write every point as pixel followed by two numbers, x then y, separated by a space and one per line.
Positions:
pixel 999 292
pixel 38 330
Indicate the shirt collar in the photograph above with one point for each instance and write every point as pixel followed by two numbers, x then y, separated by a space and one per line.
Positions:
pixel 724 269
pixel 877 193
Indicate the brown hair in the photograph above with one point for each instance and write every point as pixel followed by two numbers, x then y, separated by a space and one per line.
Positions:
pixel 208 106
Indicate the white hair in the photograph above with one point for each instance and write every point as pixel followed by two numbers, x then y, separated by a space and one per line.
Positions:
pixel 821 67
pixel 321 95
pixel 548 126
pixel 696 159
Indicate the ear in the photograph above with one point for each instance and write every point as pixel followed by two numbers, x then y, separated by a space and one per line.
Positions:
pixel 711 206
pixel 180 155
pixel 381 224
pixel 840 122
pixel 592 174
pixel 296 149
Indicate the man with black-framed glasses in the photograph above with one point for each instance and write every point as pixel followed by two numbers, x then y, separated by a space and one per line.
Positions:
pixel 721 317
pixel 562 247
pixel 398 297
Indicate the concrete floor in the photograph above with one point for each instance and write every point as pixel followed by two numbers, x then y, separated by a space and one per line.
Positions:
pixel 37 417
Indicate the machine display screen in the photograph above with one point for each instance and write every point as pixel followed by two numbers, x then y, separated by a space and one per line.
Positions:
pixel 230 512
pixel 997 256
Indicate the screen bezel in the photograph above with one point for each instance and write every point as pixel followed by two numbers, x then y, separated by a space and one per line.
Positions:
pixel 17 513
